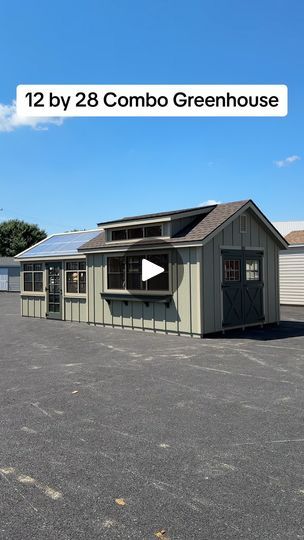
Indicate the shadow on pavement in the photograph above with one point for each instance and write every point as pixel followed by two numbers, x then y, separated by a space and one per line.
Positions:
pixel 286 329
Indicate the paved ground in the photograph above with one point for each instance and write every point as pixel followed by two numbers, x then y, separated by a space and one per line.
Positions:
pixel 201 438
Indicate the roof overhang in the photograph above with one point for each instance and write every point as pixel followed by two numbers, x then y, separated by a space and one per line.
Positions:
pixel 51 258
pixel 144 247
pixel 161 218
pixel 250 205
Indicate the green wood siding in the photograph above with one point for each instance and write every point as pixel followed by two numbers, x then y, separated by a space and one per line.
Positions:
pixel 181 316
pixel 33 306
pixel 75 309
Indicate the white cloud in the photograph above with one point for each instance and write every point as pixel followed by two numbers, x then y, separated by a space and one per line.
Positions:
pixel 210 202
pixel 288 161
pixel 9 120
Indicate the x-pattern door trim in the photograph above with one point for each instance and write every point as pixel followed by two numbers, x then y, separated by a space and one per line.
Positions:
pixel 243 299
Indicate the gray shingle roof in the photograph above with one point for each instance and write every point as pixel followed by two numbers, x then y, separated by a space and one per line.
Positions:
pixel 8 261
pixel 203 226
pixel 214 219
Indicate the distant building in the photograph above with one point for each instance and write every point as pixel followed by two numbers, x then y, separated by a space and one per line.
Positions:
pixel 285 227
pixel 292 263
pixel 9 274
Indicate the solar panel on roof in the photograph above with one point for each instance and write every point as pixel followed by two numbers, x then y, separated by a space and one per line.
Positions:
pixel 61 244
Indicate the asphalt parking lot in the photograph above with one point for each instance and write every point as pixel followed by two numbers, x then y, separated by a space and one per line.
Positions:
pixel 202 439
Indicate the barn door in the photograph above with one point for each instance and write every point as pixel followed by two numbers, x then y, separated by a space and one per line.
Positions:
pixel 3 279
pixel 253 288
pixel 232 289
pixel 242 287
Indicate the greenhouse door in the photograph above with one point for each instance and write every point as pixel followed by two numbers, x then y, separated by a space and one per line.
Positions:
pixel 54 291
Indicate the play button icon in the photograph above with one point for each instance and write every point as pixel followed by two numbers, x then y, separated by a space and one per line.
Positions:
pixel 150 270
pixel 156 269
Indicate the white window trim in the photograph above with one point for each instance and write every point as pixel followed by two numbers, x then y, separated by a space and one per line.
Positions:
pixel 32 293
pixel 74 294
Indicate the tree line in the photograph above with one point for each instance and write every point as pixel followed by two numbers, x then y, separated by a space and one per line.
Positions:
pixel 17 235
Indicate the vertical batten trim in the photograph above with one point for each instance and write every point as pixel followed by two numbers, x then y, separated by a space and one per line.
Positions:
pixel 102 269
pixel 213 282
pixel 94 288
pixel 190 286
pixel 177 290
pixel 87 291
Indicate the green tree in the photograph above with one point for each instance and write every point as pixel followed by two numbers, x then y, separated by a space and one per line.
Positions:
pixel 17 235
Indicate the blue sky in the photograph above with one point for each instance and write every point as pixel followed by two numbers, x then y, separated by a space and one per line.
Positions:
pixel 93 169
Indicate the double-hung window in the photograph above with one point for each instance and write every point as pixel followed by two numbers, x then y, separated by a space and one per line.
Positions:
pixel 76 277
pixel 124 273
pixel 116 272
pixel 33 277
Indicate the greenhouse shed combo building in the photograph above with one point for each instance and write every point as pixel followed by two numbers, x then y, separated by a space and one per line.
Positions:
pixel 219 270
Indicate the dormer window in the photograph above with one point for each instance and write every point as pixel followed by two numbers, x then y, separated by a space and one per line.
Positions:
pixel 119 234
pixel 153 230
pixel 134 233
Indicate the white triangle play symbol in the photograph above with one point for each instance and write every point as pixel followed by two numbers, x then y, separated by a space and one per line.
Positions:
pixel 149 270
